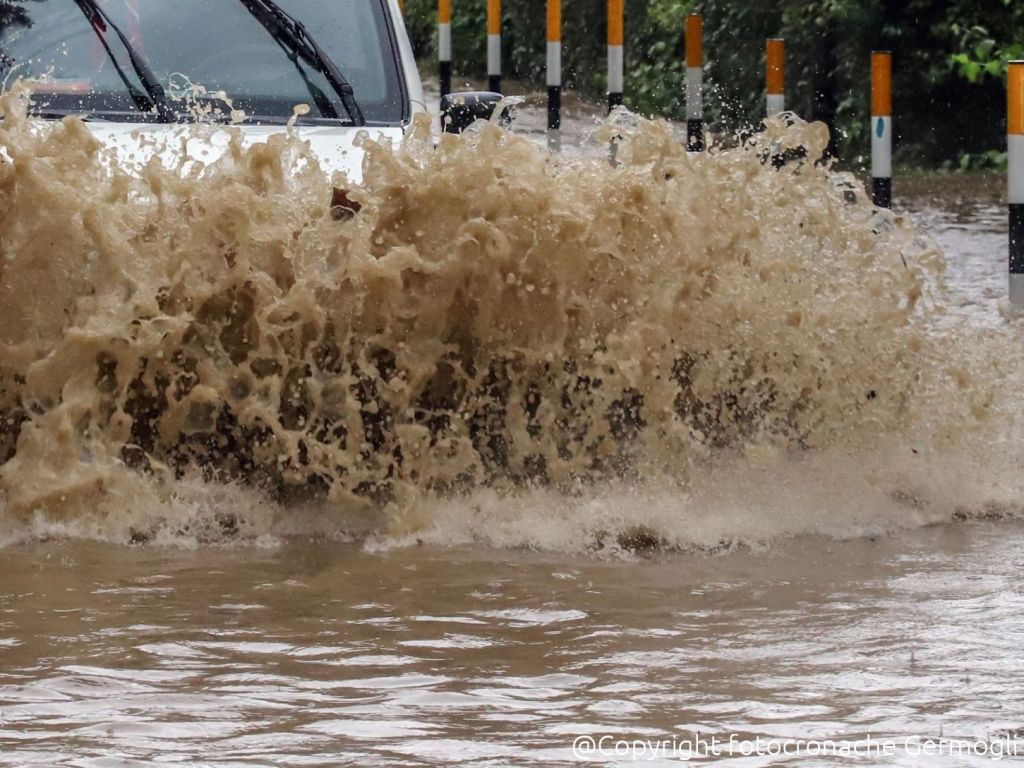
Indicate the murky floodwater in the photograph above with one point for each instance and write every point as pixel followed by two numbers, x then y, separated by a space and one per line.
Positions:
pixel 328 653
pixel 967 217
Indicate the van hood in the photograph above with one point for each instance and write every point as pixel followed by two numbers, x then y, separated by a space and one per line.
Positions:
pixel 137 143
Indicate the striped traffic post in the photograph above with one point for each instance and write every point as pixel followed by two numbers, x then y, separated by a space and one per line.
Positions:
pixel 775 76
pixel 444 45
pixel 554 65
pixel 694 83
pixel 1015 172
pixel 494 45
pixel 616 34
pixel 881 128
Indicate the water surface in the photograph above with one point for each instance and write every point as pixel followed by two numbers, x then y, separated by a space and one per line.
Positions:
pixel 326 654
pixel 322 652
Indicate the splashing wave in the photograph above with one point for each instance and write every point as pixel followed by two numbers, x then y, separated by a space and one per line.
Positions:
pixel 492 324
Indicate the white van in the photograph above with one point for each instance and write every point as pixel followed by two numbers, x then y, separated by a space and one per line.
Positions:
pixel 131 68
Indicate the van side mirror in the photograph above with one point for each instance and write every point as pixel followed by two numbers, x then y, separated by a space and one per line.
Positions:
pixel 461 110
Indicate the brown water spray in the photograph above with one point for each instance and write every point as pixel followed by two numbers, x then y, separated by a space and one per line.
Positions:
pixel 489 316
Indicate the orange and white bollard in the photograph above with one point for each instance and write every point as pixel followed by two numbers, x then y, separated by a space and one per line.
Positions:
pixel 616 40
pixel 775 76
pixel 1015 173
pixel 881 128
pixel 554 68
pixel 694 83
pixel 494 45
pixel 444 45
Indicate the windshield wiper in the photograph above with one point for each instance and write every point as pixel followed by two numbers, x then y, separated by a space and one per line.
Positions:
pixel 141 100
pixel 292 33
pixel 100 21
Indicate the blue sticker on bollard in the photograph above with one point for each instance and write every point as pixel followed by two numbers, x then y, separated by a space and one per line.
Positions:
pixel 880 127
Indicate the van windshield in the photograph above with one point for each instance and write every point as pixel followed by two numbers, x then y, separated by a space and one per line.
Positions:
pixel 216 44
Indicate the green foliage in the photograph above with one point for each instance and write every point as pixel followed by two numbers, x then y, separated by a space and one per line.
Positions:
pixel 949 60
pixel 984 56
pixel 993 159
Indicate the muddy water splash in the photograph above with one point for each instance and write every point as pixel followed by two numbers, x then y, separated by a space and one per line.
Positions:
pixel 491 319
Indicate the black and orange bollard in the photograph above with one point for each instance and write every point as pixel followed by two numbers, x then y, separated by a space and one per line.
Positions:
pixel 694 83
pixel 494 45
pixel 554 68
pixel 775 76
pixel 881 128
pixel 1015 174
pixel 616 40
pixel 444 45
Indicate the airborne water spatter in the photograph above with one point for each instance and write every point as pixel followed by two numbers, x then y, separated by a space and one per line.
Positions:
pixel 491 317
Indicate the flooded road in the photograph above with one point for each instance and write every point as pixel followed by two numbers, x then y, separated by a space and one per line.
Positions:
pixel 327 653
pixel 966 215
